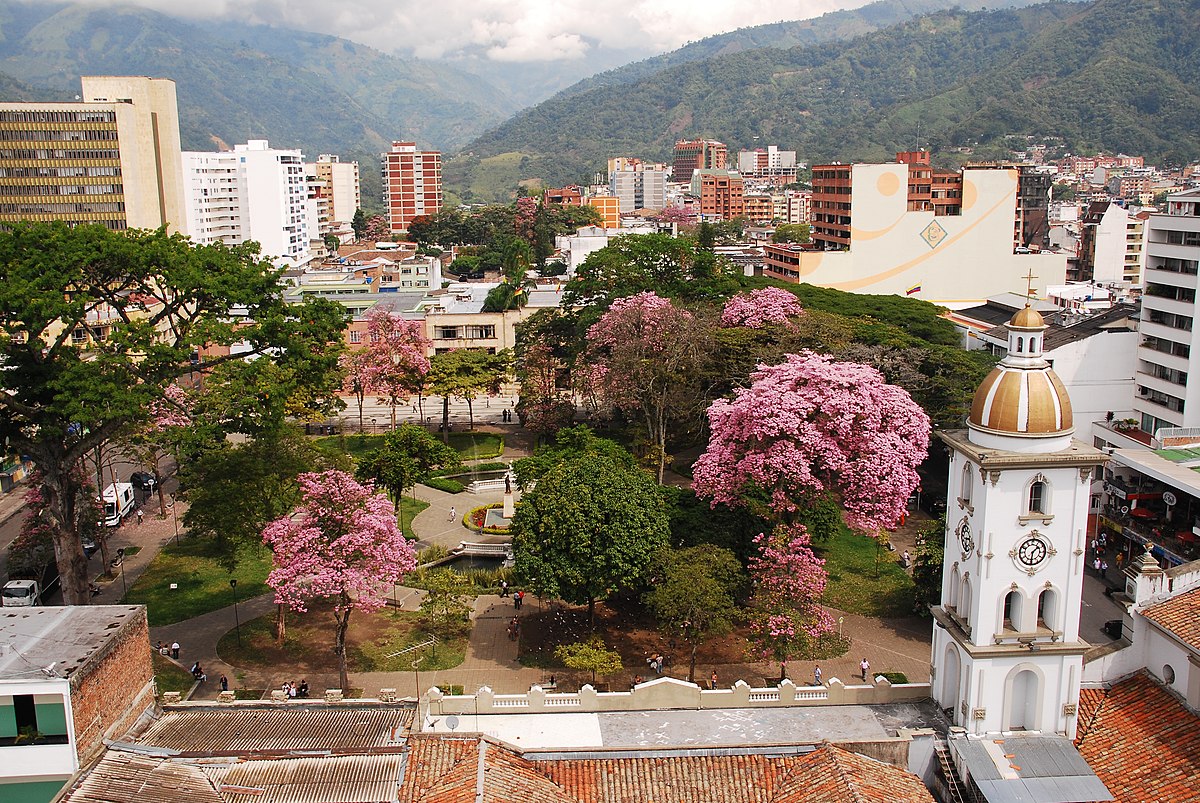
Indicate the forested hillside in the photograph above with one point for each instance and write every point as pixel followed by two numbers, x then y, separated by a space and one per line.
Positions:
pixel 1116 74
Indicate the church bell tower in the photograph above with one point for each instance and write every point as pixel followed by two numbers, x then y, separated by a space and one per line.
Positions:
pixel 1006 649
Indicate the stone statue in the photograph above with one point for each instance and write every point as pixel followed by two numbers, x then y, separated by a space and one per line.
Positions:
pixel 508 483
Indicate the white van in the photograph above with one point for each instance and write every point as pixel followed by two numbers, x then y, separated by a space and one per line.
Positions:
pixel 118 503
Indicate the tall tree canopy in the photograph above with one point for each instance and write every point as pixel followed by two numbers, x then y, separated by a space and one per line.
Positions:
pixel 344 547
pixel 644 357
pixel 95 325
pixel 589 527
pixel 812 426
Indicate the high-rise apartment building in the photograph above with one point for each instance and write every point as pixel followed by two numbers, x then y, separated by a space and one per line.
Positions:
pixel 254 192
pixel 768 164
pixel 112 159
pixel 344 190
pixel 1111 244
pixel 412 184
pixel 698 154
pixel 1167 326
pixel 638 185
pixel 720 194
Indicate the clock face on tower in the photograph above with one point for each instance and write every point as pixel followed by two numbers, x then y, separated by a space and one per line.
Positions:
pixel 1032 552
pixel 965 538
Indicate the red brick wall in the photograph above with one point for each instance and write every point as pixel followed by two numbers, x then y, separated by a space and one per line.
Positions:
pixel 114 687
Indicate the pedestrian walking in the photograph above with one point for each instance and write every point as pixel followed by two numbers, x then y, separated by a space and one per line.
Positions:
pixel 175 650
pixel 1104 567
pixel 140 515
pixel 1096 564
pixel 712 682
pixel 782 671
pixel 453 513
pixel 1120 559
pixel 865 666
pixel 224 683
pixel 817 675
pixel 504 588
pixel 518 599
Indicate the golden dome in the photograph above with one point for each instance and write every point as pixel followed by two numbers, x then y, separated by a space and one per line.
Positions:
pixel 1022 401
pixel 1027 318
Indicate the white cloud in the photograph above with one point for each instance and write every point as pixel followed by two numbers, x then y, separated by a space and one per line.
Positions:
pixel 506 30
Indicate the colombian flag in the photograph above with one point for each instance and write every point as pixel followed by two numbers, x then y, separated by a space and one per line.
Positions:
pixel 916 288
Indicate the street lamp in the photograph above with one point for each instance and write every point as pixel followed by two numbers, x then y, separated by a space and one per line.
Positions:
pixel 121 560
pixel 237 621
pixel 417 678
pixel 175 517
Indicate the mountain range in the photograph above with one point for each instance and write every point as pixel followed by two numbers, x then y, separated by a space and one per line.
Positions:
pixel 1114 74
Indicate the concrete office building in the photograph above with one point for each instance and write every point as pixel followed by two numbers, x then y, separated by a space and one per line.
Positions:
pixel 112 159
pixel 639 186
pixel 1163 396
pixel 412 184
pixel 698 154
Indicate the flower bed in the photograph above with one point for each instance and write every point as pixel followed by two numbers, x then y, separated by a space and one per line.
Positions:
pixel 475 518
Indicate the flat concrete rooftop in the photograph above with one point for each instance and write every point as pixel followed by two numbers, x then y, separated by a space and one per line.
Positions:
pixel 731 726
pixel 32 639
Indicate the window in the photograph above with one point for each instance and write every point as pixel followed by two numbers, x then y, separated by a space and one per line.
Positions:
pixel 1037 496
pixel 965 494
pixel 355 336
pixel 1047 615
pixel 1012 610
pixel 32 719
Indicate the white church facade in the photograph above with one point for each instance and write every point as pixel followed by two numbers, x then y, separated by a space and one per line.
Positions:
pixel 1006 653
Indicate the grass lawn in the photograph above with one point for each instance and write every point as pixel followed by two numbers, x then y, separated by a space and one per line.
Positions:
pixel 864 577
pixel 202 582
pixel 471 445
pixel 409 508
pixel 309 642
pixel 170 677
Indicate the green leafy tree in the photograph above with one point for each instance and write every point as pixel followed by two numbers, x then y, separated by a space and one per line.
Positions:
pixel 236 489
pixel 95 325
pixel 570 443
pixel 465 374
pixel 590 527
pixel 446 609
pixel 928 560
pixel 791 233
pixel 589 656
pixel 332 243
pixel 409 455
pixel 359 224
pixel 693 595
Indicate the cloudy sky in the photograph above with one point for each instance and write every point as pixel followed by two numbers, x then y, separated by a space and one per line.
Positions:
pixel 507 30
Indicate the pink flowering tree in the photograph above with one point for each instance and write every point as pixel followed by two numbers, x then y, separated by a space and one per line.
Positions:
pixel 342 545
pixel 786 620
pixel 396 361
pixel 813 427
pixel 760 308
pixel 170 418
pixel 644 356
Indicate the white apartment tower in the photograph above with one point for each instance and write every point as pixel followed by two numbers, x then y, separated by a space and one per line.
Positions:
pixel 253 192
pixel 1167 326
pixel 1006 649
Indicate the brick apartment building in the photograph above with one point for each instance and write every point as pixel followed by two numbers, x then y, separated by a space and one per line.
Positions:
pixel 412 184
pixel 720 194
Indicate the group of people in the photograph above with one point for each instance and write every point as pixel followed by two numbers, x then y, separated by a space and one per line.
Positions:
pixel 657 662
pixel 1099 562
pixel 518 597
pixel 506 416
pixel 295 690
pixel 168 650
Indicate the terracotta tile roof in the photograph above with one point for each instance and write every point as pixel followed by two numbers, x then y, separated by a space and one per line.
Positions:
pixel 826 775
pixel 1143 743
pixel 1180 616
pixel 448 771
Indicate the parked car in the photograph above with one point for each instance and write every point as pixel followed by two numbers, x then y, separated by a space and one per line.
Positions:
pixel 143 481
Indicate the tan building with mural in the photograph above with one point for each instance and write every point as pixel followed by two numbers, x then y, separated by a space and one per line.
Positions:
pixel 949 259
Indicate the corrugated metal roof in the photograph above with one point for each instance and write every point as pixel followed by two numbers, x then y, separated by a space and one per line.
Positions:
pixel 319 727
pixel 330 779
pixel 122 777
pixel 1030 769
